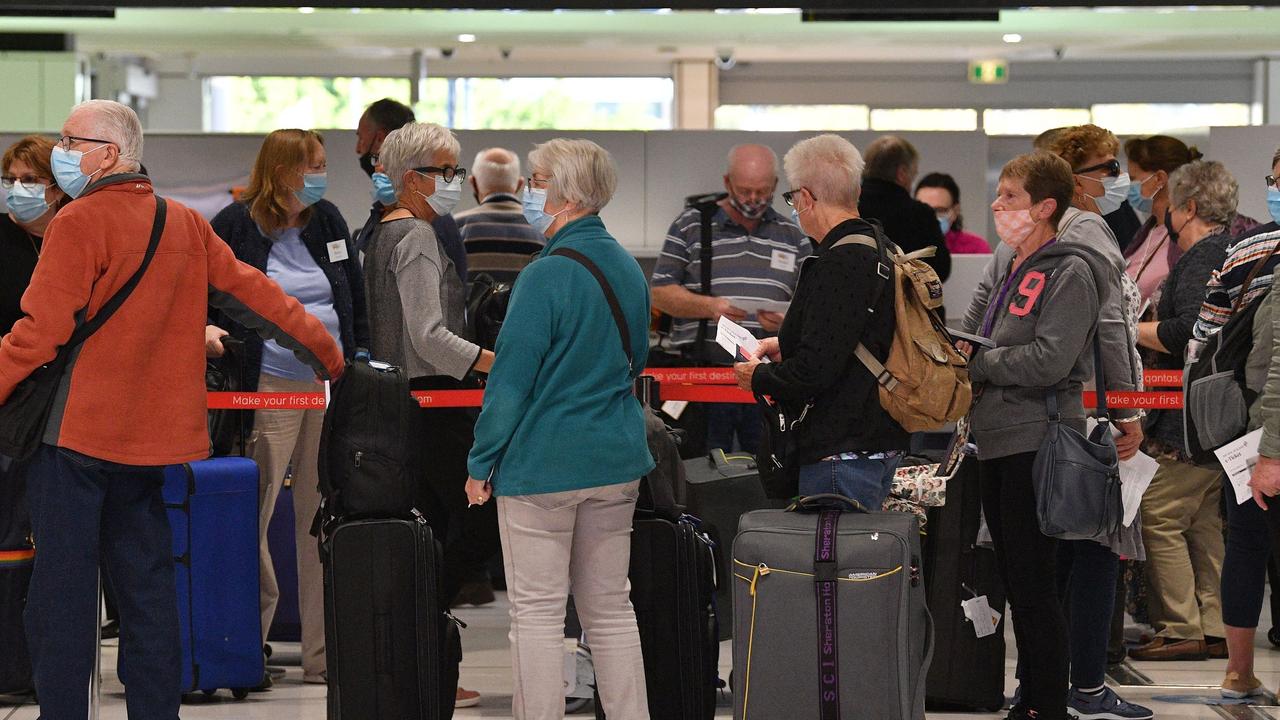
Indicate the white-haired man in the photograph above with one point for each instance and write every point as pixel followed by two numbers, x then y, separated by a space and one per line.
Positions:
pixel 498 239
pixel 844 441
pixel 755 254
pixel 132 400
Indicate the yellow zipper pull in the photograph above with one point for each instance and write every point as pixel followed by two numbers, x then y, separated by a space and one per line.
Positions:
pixel 761 571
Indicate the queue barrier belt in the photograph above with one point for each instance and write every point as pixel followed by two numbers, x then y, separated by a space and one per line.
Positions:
pixel 701 385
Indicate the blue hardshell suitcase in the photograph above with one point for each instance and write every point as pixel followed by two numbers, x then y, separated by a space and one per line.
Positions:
pixel 287 625
pixel 213 514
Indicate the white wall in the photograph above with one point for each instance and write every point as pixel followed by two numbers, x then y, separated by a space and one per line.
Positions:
pixel 1247 153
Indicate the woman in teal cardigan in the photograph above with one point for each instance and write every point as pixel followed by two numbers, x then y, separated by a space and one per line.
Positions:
pixel 561 439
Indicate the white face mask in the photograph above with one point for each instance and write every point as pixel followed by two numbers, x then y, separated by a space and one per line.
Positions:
pixel 1115 190
pixel 446 196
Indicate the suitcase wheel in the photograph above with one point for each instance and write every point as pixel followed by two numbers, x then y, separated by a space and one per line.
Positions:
pixel 1273 635
pixel 239 693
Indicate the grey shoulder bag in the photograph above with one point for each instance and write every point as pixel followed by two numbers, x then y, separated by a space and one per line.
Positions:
pixel 1077 478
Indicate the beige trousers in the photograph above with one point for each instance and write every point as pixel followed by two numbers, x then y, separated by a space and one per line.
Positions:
pixel 281 437
pixel 1182 531
pixel 577 541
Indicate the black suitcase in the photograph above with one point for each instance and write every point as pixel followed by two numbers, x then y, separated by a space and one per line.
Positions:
pixel 17 558
pixel 956 569
pixel 392 650
pixel 719 489
pixel 672 588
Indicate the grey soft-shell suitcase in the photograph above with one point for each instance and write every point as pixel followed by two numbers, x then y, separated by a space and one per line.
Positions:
pixel 851 579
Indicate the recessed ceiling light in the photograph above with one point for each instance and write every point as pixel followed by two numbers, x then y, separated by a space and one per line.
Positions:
pixel 1012 38
pixel 306 10
pixel 466 37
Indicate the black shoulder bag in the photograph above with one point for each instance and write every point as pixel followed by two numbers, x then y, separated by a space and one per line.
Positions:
pixel 25 414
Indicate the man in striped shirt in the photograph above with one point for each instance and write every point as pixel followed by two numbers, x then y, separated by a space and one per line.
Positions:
pixel 498 239
pixel 756 255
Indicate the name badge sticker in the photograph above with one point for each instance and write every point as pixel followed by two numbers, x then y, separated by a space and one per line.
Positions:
pixel 337 251
pixel 783 261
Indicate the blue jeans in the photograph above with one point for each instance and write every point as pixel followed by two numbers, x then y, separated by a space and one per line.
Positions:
pixel 866 481
pixel 724 420
pixel 87 513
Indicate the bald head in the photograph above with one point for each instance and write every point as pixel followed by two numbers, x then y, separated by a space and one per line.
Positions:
pixel 751 178
pixel 496 170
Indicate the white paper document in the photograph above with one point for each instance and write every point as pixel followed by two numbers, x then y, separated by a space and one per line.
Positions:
pixel 754 305
pixel 1135 477
pixel 736 340
pixel 979 612
pixel 1238 458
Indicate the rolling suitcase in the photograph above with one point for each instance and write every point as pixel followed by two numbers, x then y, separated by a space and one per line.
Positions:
pixel 17 558
pixel 392 650
pixel 672 589
pixel 956 569
pixel 720 488
pixel 829 615
pixel 281 542
pixel 213 514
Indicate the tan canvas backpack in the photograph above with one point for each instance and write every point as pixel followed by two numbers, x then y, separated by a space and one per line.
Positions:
pixel 925 382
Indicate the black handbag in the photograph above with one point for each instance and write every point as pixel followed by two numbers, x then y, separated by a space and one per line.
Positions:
pixel 25 414
pixel 1077 478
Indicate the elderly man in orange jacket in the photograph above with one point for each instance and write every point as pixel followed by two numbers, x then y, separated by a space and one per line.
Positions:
pixel 130 402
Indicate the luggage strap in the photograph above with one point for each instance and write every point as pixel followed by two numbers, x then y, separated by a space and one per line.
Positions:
pixel 826 590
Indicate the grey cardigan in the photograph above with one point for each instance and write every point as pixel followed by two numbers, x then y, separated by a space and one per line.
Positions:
pixel 417 302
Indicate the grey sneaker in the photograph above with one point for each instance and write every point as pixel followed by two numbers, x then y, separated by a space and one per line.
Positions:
pixel 1106 705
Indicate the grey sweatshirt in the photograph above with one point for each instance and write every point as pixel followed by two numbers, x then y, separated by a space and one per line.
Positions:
pixel 1043 332
pixel 1262 375
pixel 1122 364
pixel 417 303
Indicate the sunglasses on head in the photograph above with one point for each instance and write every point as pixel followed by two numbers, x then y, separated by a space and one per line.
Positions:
pixel 1112 167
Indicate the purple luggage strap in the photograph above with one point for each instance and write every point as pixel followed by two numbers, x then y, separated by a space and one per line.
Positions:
pixel 826 588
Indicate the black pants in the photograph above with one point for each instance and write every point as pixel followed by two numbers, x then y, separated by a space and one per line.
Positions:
pixel 1028 567
pixel 1252 535
pixel 443 438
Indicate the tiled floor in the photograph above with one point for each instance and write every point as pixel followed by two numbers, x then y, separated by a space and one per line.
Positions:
pixel 487 669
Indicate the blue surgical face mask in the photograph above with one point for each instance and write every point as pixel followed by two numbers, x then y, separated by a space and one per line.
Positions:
pixel 26 205
pixel 1115 191
pixel 1273 203
pixel 1140 202
pixel 446 196
pixel 535 204
pixel 382 190
pixel 944 222
pixel 66 169
pixel 313 187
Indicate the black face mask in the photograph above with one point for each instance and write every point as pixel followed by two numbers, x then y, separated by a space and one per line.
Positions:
pixel 1168 226
pixel 366 163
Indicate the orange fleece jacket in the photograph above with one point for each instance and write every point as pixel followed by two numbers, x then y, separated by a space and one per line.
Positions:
pixel 135 393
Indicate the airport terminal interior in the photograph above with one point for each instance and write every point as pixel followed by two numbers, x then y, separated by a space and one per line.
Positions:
pixel 668 91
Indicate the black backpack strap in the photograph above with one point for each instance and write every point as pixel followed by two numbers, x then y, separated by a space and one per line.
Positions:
pixel 614 306
pixel 108 309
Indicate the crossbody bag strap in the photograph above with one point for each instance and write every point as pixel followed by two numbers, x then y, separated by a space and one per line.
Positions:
pixel 614 306
pixel 826 592
pixel 705 255
pixel 83 332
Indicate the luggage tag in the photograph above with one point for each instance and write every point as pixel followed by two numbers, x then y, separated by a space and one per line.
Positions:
pixel 977 610
pixel 337 251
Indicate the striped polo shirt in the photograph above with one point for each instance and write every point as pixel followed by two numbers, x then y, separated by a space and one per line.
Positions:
pixel 498 222
pixel 763 264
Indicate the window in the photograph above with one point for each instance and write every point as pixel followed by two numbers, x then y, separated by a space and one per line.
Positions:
pixel 1148 118
pixel 1031 121
pixel 261 103
pixel 792 117
pixel 924 119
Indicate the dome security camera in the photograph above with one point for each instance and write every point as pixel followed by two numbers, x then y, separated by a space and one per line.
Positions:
pixel 725 59
pixel 446 52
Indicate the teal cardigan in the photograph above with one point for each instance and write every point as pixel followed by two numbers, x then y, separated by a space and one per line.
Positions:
pixel 559 413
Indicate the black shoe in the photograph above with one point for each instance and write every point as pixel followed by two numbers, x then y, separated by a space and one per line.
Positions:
pixel 266 684
pixel 1021 712
pixel 111 630
pixel 474 593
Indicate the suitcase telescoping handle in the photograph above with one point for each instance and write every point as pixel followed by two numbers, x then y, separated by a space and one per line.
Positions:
pixel 824 501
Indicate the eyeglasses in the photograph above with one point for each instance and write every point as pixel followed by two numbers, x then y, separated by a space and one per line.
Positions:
pixel 28 182
pixel 1112 167
pixel 789 197
pixel 541 182
pixel 446 173
pixel 1271 181
pixel 66 141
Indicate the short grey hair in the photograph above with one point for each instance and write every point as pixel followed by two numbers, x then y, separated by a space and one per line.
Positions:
pixel 829 166
pixel 581 172
pixel 117 123
pixel 496 170
pixel 414 145
pixel 1208 183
